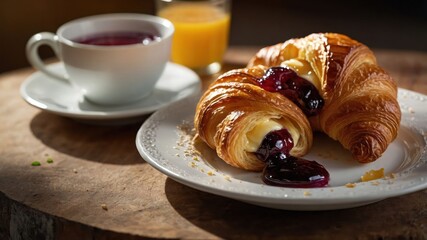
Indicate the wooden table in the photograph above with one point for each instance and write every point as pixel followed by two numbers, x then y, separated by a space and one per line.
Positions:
pixel 98 186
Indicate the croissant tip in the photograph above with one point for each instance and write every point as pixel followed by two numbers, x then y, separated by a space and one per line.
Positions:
pixel 366 151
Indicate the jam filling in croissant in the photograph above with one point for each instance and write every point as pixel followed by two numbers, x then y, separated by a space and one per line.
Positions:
pixel 300 91
pixel 281 168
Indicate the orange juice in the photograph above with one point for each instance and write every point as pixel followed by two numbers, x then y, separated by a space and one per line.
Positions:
pixel 201 33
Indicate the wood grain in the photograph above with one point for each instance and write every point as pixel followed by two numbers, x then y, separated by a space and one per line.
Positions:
pixel 97 166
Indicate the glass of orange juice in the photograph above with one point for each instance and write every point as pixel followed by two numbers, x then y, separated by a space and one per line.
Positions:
pixel 201 32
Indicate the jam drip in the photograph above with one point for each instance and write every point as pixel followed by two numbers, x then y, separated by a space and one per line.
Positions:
pixel 300 91
pixel 289 171
pixel 284 170
pixel 281 168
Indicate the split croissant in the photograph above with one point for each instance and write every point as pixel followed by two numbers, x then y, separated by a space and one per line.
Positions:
pixel 234 106
pixel 360 101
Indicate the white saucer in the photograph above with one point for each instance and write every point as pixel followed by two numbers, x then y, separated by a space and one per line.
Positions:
pixel 60 98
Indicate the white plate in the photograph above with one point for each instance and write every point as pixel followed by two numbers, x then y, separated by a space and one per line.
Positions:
pixel 404 162
pixel 61 98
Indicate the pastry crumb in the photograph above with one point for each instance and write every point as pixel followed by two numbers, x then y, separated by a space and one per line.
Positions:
pixel 227 178
pixel 193 164
pixel 307 193
pixel 210 173
pixel 104 207
pixel 350 185
pixel 390 176
pixel 375 183
pixel 411 110
pixel 372 175
pixel 75 170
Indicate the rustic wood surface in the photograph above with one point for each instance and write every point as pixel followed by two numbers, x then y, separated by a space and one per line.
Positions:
pixel 99 166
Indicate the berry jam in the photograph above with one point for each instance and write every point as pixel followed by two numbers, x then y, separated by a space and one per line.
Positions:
pixel 276 141
pixel 300 91
pixel 284 170
pixel 289 171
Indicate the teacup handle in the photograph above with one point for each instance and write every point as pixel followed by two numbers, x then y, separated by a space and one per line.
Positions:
pixel 33 44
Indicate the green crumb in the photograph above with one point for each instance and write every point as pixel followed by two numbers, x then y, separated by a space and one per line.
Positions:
pixel 49 160
pixel 36 163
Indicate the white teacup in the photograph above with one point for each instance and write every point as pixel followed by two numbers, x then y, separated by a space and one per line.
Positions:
pixel 114 74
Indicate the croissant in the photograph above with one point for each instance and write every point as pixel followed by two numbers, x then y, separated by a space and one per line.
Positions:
pixel 360 99
pixel 235 114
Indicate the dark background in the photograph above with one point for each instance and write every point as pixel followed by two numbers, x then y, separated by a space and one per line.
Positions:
pixel 393 24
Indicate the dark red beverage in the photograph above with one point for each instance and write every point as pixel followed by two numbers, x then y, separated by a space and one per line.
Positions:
pixel 118 38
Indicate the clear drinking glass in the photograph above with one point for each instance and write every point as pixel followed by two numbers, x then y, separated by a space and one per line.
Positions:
pixel 201 32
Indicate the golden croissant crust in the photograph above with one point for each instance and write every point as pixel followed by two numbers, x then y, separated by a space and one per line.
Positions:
pixel 361 109
pixel 234 107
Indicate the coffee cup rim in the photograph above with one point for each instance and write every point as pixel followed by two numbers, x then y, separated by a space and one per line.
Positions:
pixel 137 16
